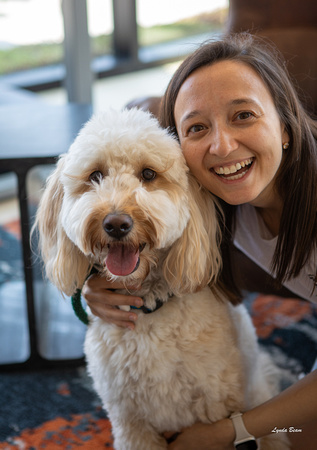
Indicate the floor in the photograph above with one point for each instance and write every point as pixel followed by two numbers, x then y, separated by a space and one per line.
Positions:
pixel 60 333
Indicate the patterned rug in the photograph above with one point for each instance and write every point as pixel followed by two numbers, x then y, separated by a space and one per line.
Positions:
pixel 58 409
pixel 54 409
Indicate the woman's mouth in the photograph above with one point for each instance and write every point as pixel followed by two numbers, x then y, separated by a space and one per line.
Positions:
pixel 234 171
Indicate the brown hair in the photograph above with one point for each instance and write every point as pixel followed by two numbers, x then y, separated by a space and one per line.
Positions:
pixel 296 177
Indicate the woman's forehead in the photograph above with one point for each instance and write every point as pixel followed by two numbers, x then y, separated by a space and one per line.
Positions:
pixel 227 73
pixel 223 81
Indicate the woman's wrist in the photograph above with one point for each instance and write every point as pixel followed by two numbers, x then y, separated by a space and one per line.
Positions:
pixel 220 434
pixel 227 430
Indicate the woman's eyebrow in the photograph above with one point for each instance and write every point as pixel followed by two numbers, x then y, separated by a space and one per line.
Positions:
pixel 241 101
pixel 190 115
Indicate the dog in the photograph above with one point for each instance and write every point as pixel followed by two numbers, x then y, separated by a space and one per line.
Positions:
pixel 122 200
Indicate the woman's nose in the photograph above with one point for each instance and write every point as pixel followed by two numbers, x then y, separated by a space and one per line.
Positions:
pixel 222 142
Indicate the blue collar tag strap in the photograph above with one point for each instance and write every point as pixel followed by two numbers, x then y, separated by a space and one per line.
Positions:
pixel 146 310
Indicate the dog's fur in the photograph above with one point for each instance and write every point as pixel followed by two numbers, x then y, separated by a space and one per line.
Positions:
pixel 194 359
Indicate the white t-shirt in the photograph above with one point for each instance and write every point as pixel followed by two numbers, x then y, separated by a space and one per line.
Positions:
pixel 254 239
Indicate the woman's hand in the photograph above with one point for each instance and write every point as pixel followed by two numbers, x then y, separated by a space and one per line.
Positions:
pixel 217 436
pixel 103 302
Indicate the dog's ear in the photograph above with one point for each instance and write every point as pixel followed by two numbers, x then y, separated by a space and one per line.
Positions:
pixel 65 265
pixel 194 259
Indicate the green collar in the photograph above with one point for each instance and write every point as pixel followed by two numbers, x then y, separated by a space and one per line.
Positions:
pixel 78 307
pixel 83 316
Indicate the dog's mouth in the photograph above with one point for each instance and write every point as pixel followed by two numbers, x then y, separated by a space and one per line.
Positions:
pixel 123 259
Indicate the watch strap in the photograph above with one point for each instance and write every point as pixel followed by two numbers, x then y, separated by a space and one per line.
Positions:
pixel 243 438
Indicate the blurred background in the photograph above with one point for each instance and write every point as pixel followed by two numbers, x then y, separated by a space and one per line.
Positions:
pixel 148 34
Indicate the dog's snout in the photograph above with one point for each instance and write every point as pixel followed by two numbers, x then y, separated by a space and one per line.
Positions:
pixel 117 225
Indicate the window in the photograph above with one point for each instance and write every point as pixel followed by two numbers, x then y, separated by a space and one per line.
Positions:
pixel 165 21
pixel 60 335
pixel 100 26
pixel 31 34
pixel 13 317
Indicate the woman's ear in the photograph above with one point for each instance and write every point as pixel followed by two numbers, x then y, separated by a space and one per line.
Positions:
pixel 285 136
pixel 194 260
pixel 65 264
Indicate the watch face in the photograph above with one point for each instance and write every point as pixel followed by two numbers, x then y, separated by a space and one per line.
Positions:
pixel 249 445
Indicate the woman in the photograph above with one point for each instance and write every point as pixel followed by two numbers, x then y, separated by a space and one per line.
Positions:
pixel 247 139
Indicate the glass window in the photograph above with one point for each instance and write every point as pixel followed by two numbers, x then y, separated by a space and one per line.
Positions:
pixel 168 20
pixel 100 26
pixel 60 334
pixel 31 34
pixel 13 306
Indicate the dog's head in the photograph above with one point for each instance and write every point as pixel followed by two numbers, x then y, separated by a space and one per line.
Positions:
pixel 122 198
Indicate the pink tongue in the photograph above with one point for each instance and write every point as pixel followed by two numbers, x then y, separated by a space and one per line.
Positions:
pixel 122 260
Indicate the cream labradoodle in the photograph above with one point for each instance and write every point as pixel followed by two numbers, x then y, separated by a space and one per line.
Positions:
pixel 122 200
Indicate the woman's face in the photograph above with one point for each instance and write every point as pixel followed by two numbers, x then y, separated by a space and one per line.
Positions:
pixel 230 132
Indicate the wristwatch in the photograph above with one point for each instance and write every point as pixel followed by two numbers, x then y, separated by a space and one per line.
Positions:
pixel 244 440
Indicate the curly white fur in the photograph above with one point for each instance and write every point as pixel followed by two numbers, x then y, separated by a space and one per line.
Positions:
pixel 194 359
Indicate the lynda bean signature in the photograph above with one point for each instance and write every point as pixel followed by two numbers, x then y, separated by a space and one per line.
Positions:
pixel 287 430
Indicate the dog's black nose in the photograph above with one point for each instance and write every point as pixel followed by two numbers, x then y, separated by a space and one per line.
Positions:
pixel 117 225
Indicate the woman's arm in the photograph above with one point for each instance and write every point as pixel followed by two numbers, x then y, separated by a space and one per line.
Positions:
pixel 293 408
pixel 103 302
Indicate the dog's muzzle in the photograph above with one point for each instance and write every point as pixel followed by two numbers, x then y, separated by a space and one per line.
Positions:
pixel 123 258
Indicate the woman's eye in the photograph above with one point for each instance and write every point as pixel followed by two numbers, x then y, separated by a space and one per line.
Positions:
pixel 196 128
pixel 244 115
pixel 148 174
pixel 96 176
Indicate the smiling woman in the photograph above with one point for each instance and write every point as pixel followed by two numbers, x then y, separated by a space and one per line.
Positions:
pixel 241 130
pixel 230 102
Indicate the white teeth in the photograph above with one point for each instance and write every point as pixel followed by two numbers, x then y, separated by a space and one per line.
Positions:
pixel 233 168
pixel 236 177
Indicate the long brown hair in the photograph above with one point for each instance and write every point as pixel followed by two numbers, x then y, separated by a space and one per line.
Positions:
pixel 296 177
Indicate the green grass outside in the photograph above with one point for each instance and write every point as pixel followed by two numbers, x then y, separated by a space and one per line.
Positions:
pixel 32 56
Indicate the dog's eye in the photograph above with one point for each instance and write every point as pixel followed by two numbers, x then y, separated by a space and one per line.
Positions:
pixel 148 174
pixel 96 176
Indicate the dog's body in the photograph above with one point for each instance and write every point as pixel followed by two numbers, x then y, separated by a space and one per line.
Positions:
pixel 184 363
pixel 122 200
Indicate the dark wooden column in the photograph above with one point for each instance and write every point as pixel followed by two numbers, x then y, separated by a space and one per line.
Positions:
pixel 292 26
